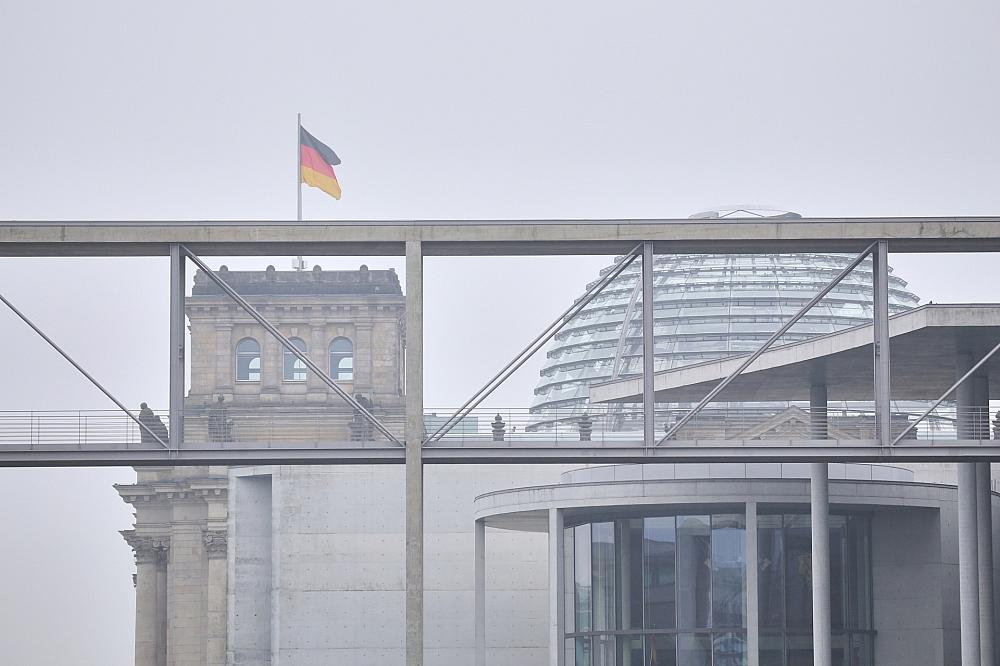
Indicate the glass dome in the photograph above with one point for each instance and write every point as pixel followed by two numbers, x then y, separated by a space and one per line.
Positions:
pixel 706 307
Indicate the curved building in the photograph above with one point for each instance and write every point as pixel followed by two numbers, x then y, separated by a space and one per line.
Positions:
pixel 706 307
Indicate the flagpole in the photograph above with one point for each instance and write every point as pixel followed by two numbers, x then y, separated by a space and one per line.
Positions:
pixel 298 165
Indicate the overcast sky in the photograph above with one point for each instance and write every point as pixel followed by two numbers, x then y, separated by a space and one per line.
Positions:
pixel 128 110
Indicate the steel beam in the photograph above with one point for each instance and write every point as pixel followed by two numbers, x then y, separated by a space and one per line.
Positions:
pixel 648 352
pixel 178 287
pixel 414 436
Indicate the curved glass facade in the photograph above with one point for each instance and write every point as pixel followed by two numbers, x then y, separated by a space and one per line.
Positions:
pixel 706 307
pixel 670 590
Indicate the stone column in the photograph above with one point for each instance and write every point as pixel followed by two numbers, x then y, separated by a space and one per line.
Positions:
pixel 363 355
pixel 271 361
pixel 162 556
pixel 215 621
pixel 145 597
pixel 185 590
pixel 319 354
pixel 225 361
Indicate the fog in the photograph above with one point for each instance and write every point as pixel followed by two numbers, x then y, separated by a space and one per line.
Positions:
pixel 122 110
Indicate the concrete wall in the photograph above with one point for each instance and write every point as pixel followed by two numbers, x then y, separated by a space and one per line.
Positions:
pixel 338 587
pixel 250 571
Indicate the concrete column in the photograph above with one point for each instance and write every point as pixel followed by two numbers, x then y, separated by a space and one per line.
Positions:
pixel 984 532
pixel 753 619
pixel 557 599
pixel 968 564
pixel 177 336
pixel 648 352
pixel 480 593
pixel 216 618
pixel 819 518
pixel 162 556
pixel 414 460
pixel 880 285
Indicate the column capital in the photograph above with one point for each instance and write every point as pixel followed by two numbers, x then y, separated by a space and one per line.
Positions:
pixel 147 548
pixel 216 543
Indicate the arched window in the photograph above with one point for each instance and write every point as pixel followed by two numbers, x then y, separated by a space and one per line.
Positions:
pixel 294 369
pixel 342 359
pixel 248 360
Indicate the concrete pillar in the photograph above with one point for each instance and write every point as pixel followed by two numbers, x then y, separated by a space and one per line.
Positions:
pixel 557 599
pixel 480 584
pixel 753 620
pixel 968 564
pixel 162 619
pixel 819 518
pixel 414 461
pixel 984 532
pixel 215 602
pixel 178 287
pixel 880 286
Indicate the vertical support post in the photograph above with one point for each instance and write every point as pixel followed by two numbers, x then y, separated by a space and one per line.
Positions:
pixel 753 619
pixel 178 285
pixel 648 404
pixel 984 521
pixel 414 458
pixel 557 599
pixel 480 593
pixel 880 288
pixel 968 564
pixel 819 495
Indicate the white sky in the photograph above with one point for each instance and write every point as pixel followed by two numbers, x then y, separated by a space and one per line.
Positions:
pixel 124 110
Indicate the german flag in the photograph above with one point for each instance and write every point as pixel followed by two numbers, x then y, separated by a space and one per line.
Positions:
pixel 316 162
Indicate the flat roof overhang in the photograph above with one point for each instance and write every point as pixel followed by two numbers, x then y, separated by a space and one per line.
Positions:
pixel 497 237
pixel 923 346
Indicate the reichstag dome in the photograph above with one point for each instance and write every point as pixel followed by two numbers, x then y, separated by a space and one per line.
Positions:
pixel 707 307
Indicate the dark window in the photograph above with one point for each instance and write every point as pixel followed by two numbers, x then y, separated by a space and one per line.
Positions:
pixel 248 360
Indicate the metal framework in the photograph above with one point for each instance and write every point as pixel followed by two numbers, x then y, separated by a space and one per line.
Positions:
pixel 416 240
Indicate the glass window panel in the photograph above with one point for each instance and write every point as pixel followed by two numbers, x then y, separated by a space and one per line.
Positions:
pixel 603 562
pixel 772 650
pixel 661 650
pixel 694 649
pixel 604 650
pixel 581 581
pixel 798 572
pixel 569 588
pixel 659 572
pixel 294 370
pixel 569 654
pixel 799 650
pixel 630 575
pixel 694 572
pixel 838 579
pixel 862 650
pixel 630 651
pixel 729 649
pixel 248 360
pixel 770 566
pixel 583 652
pixel 859 573
pixel 728 570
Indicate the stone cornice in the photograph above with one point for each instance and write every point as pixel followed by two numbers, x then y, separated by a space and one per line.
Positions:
pixel 204 489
